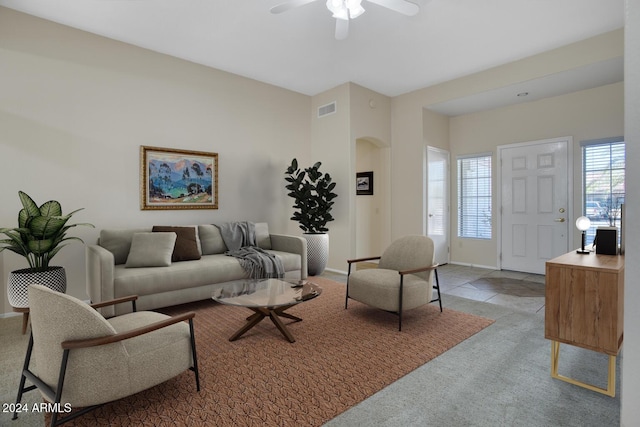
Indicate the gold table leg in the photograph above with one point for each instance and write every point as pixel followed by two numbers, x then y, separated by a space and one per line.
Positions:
pixel 611 377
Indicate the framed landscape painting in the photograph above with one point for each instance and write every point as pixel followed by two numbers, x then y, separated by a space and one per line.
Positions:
pixel 178 179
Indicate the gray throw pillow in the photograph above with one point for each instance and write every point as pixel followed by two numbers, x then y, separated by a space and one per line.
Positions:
pixel 151 250
pixel 118 242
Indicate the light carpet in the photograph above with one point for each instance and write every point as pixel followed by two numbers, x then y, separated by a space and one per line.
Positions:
pixel 500 377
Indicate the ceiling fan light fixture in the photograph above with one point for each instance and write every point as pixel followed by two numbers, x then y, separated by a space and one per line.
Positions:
pixel 342 14
pixel 345 9
pixel 355 8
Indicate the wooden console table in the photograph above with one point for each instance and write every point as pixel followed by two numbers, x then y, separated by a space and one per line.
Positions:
pixel 584 302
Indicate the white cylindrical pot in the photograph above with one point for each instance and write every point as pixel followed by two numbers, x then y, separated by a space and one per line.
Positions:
pixel 19 281
pixel 317 252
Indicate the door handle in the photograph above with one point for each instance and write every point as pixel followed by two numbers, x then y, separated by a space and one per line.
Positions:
pixel 430 215
pixel 560 219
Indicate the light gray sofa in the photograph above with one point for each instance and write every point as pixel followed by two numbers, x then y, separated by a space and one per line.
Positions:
pixel 109 276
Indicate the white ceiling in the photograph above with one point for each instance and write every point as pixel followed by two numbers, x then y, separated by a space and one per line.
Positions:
pixel 385 51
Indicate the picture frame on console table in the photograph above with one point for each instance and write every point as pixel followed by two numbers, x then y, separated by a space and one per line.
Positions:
pixel 178 179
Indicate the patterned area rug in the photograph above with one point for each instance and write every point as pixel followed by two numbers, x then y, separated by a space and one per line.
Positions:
pixel 340 358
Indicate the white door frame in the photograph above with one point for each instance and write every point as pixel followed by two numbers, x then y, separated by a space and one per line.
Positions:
pixel 447 192
pixel 569 140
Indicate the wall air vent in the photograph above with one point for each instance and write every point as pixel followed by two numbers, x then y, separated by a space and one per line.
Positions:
pixel 325 110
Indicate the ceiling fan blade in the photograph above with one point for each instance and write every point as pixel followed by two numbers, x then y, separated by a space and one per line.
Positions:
pixel 291 4
pixel 342 29
pixel 401 6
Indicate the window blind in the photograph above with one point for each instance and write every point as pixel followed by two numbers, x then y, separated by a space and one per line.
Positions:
pixel 474 197
pixel 603 180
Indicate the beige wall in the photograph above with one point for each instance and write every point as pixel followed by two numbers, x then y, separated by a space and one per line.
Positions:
pixel 75 109
pixel 435 130
pixel 585 115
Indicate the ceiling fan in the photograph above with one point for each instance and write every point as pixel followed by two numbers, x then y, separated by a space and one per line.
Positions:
pixel 344 10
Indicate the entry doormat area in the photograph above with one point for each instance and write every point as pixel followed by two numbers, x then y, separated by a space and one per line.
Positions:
pixel 340 358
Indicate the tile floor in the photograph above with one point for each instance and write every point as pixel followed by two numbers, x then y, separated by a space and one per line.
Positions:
pixel 522 291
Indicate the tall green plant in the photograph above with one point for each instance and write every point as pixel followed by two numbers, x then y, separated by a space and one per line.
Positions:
pixel 313 196
pixel 40 232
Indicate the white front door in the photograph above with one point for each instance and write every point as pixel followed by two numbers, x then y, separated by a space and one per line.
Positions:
pixel 534 203
pixel 437 209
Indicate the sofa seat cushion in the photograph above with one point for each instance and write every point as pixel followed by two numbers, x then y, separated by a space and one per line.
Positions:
pixel 290 261
pixel 207 270
pixel 379 287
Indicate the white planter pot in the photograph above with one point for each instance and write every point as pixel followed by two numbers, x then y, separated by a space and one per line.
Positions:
pixel 19 281
pixel 317 253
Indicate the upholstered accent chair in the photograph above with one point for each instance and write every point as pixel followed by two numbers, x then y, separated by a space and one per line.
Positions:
pixel 84 360
pixel 402 281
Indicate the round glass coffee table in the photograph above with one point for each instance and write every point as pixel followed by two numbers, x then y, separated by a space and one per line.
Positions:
pixel 266 298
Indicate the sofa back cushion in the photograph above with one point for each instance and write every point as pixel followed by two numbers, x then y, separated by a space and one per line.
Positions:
pixel 263 239
pixel 118 242
pixel 211 240
pixel 212 243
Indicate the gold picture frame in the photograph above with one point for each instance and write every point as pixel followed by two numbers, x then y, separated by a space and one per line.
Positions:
pixel 178 179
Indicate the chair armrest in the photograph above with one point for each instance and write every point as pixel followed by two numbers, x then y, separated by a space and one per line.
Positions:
pixel 115 301
pixel 418 270
pixel 350 261
pixel 294 245
pixel 110 339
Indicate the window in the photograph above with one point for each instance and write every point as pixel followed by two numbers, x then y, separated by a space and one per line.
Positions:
pixel 474 196
pixel 603 164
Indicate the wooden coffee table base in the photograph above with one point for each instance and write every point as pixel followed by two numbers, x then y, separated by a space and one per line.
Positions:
pixel 274 314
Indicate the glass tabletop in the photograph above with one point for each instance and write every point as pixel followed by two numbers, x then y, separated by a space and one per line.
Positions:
pixel 265 292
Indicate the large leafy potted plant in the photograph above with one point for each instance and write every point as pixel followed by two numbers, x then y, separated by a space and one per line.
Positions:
pixel 312 192
pixel 40 235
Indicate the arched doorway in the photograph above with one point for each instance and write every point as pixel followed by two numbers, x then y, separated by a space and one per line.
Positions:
pixel 372 213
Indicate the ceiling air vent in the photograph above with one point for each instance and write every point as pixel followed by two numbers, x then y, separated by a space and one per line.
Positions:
pixel 327 109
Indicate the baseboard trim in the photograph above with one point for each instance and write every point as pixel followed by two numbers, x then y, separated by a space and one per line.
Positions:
pixel 333 270
pixel 465 264
pixel 10 314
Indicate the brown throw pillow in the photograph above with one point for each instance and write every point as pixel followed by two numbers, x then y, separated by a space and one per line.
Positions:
pixel 186 247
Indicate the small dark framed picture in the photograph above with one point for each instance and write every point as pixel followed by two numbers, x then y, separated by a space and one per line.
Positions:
pixel 364 183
